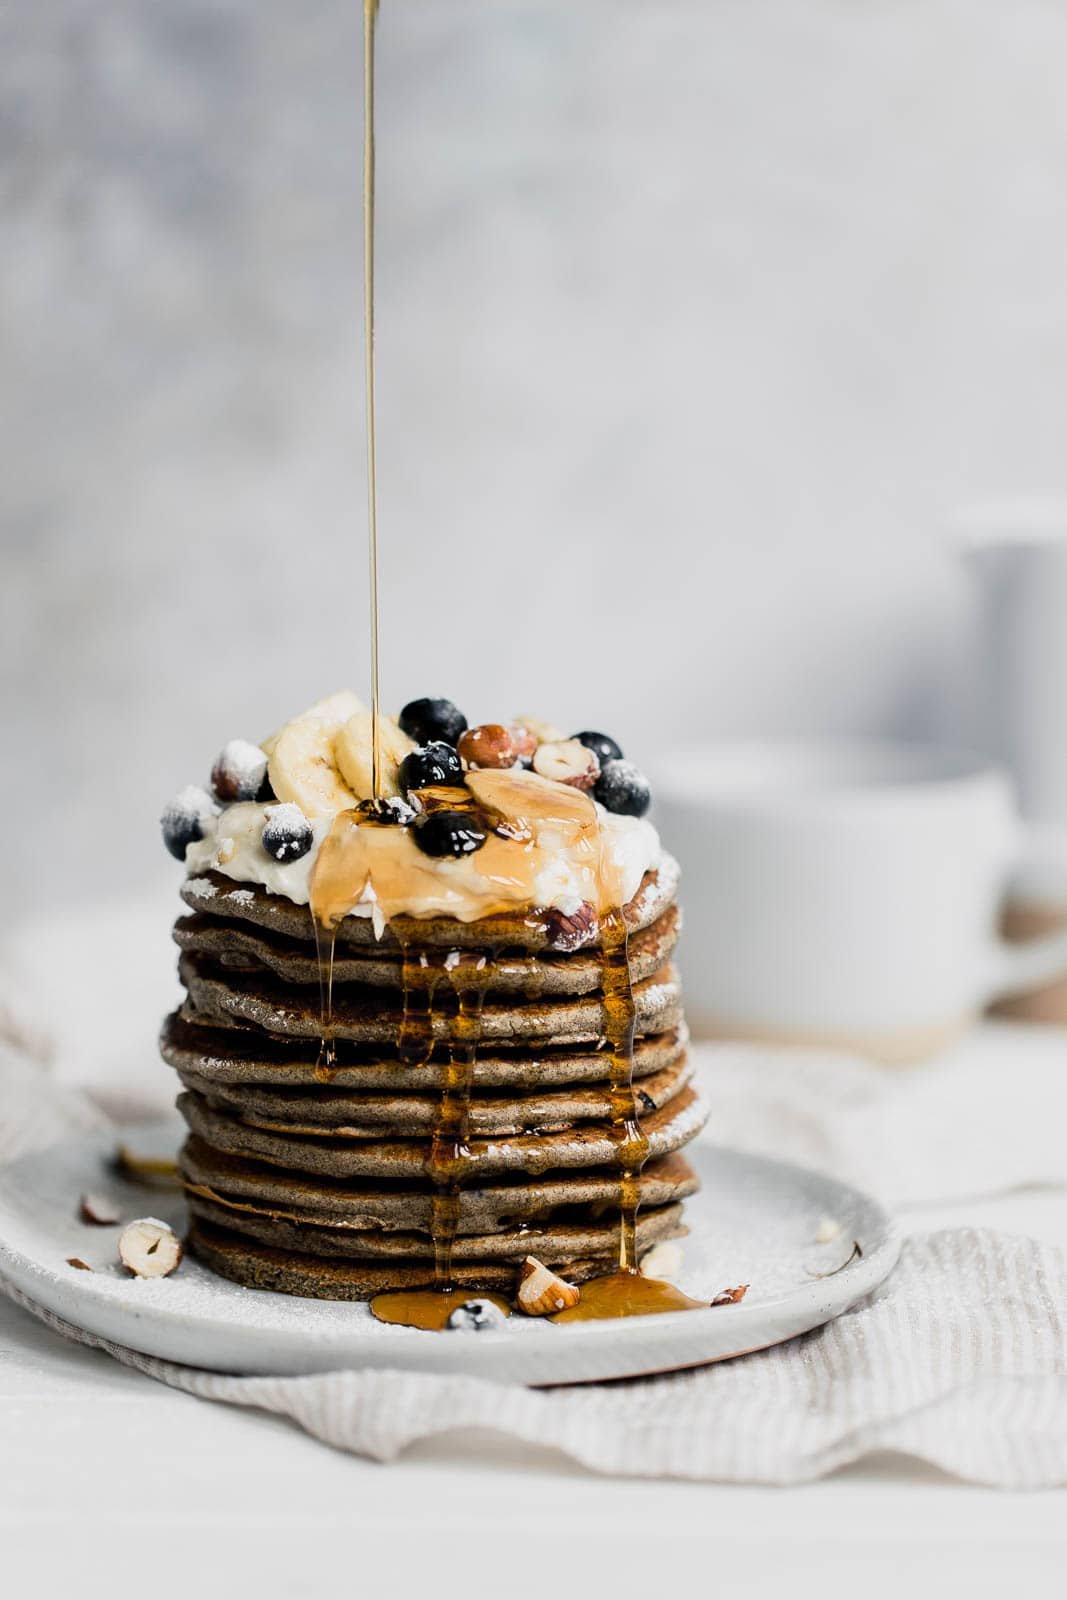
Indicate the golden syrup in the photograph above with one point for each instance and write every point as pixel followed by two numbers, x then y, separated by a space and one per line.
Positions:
pixel 428 1309
pixel 370 22
pixel 631 1145
pixel 627 1294
pixel 449 1150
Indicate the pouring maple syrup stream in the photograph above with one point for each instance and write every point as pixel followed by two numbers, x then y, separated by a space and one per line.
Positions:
pixel 621 1293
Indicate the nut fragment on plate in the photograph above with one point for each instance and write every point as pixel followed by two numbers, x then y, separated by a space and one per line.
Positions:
pixel 567 761
pixel 730 1297
pixel 149 1248
pixel 98 1209
pixel 541 1292
pixel 79 1264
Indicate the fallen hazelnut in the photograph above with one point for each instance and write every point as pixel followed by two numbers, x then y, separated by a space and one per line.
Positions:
pixel 76 1261
pixel 568 931
pixel 149 1248
pixel 541 1292
pixel 99 1210
pixel 730 1297
pixel 567 761
pixel 490 745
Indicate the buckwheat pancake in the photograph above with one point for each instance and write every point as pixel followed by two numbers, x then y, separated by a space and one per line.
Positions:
pixel 347 1114
pixel 370 1016
pixel 287 1271
pixel 244 947
pixel 222 1051
pixel 216 895
pixel 507 1204
pixel 549 1241
pixel 584 1145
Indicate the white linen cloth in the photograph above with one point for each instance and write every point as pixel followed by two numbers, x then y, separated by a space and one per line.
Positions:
pixel 960 1360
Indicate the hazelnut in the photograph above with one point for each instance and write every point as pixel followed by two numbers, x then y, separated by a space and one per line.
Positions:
pixel 491 745
pixel 567 761
pixel 149 1248
pixel 541 1292
pixel 525 741
pixel 570 931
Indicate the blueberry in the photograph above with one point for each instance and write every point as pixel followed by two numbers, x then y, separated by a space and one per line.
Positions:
pixel 476 1316
pixel 426 720
pixel 390 810
pixel 449 833
pixel 601 744
pixel 183 820
pixel 623 788
pixel 240 771
pixel 287 833
pixel 432 763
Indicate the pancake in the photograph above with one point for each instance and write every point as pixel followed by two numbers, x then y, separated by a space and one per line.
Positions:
pixel 550 1241
pixel 345 1114
pixel 216 895
pixel 239 1184
pixel 366 1016
pixel 587 1145
pixel 259 1266
pixel 223 1052
pixel 240 946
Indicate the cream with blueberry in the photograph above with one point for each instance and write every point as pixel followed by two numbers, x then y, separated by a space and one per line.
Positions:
pixel 470 821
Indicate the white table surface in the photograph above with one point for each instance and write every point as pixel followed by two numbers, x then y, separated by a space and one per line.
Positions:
pixel 113 1484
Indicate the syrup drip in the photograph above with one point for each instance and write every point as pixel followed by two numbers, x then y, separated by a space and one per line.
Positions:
pixel 448 1149
pixel 370 20
pixel 325 941
pixel 630 1142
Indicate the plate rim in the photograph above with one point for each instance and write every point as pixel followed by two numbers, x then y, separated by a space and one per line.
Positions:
pixel 155 1330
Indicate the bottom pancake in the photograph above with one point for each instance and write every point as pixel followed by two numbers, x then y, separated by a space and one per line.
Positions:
pixel 551 1242
pixel 258 1266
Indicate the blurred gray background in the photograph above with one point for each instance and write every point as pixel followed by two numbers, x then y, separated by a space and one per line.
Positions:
pixel 697 320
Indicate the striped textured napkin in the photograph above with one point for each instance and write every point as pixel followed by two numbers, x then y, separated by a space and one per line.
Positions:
pixel 960 1359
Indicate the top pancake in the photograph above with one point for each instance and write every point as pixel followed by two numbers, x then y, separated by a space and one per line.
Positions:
pixel 215 895
pixel 245 947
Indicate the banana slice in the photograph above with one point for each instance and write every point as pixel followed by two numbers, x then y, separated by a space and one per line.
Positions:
pixel 302 769
pixel 333 710
pixel 353 752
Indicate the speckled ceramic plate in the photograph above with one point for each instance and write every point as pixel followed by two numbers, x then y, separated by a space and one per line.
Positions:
pixel 755 1221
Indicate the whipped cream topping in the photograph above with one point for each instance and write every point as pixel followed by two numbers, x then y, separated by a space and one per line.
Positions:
pixel 456 887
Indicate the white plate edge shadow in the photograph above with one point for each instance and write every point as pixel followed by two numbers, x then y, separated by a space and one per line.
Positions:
pixel 525 1351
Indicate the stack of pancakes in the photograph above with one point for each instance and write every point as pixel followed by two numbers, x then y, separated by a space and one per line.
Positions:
pixel 319 1180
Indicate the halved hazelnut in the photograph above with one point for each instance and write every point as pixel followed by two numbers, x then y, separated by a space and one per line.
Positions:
pixel 490 745
pixel 567 761
pixel 541 1292
pixel 149 1248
